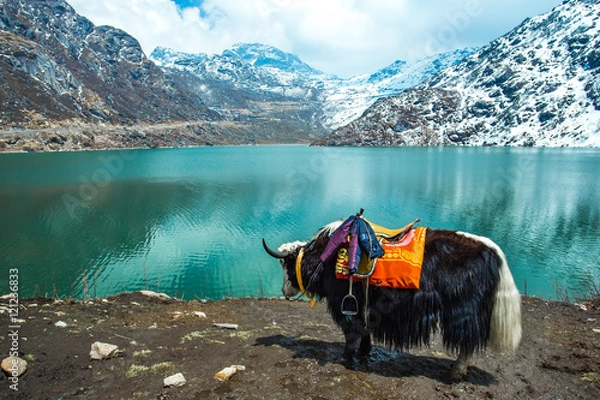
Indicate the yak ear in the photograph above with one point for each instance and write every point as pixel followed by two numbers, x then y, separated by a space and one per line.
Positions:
pixel 273 253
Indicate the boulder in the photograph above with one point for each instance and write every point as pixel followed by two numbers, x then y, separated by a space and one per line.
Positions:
pixel 102 351
pixel 14 366
pixel 152 294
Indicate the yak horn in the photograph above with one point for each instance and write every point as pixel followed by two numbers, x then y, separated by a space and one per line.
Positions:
pixel 273 253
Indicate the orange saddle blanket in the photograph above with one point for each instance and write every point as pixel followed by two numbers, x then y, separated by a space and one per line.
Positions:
pixel 400 266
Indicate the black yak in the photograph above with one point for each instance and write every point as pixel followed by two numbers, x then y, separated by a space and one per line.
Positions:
pixel 467 293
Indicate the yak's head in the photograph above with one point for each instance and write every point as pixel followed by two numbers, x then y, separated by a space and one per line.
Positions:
pixel 288 254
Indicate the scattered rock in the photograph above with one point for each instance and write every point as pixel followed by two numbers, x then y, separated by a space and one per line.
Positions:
pixel 61 324
pixel 176 314
pixel 199 314
pixel 226 326
pixel 156 295
pixel 102 351
pixel 14 366
pixel 227 372
pixel 176 380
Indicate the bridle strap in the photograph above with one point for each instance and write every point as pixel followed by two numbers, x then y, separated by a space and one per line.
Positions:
pixel 313 302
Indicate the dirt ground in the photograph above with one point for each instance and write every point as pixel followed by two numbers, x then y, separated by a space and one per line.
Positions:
pixel 289 350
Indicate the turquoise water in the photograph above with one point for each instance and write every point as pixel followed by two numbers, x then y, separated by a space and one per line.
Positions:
pixel 189 222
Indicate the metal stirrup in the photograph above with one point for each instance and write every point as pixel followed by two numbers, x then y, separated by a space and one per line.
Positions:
pixel 349 302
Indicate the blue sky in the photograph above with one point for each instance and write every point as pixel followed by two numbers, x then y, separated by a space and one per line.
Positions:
pixel 341 37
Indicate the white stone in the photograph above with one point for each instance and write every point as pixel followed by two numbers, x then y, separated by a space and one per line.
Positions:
pixel 101 351
pixel 151 293
pixel 61 324
pixel 14 366
pixel 200 314
pixel 227 372
pixel 176 380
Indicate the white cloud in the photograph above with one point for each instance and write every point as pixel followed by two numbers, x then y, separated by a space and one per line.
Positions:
pixel 343 37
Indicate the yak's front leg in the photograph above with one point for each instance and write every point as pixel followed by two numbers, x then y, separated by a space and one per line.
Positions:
pixel 358 339
pixel 365 344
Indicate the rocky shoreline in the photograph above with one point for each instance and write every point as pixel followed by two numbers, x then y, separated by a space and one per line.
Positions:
pixel 101 137
pixel 275 349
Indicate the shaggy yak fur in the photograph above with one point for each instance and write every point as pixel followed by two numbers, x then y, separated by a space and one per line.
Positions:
pixel 467 293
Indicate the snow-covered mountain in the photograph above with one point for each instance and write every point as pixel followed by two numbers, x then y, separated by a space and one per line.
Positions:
pixel 261 55
pixel 260 72
pixel 538 85
pixel 261 69
pixel 346 100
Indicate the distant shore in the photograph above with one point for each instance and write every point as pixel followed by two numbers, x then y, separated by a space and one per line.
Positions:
pixel 142 136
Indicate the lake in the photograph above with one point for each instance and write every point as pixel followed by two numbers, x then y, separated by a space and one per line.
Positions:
pixel 189 222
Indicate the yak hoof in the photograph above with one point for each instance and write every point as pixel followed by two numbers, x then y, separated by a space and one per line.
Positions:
pixel 456 374
pixel 347 360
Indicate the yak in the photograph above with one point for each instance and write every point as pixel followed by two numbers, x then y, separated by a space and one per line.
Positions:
pixel 466 293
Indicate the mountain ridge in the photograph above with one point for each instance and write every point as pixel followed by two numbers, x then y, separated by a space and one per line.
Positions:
pixel 85 72
pixel 264 71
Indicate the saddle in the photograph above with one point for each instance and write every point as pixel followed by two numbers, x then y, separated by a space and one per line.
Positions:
pixel 392 235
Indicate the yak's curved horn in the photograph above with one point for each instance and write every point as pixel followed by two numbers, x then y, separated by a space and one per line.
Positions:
pixel 273 253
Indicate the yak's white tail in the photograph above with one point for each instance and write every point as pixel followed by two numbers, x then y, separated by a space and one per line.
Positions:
pixel 505 326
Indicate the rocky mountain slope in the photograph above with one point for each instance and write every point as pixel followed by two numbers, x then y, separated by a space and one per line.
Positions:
pixel 253 85
pixel 538 85
pixel 58 68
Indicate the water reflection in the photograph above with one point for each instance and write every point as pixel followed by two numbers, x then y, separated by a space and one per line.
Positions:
pixel 189 221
